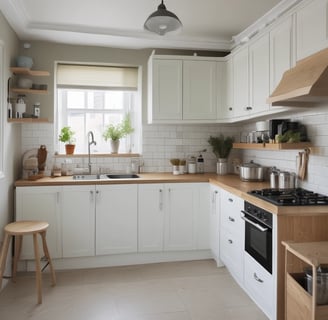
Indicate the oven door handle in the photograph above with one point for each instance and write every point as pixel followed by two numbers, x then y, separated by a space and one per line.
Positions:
pixel 256 225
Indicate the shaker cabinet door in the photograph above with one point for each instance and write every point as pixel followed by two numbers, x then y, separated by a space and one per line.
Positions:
pixel 166 86
pixel 40 203
pixel 199 90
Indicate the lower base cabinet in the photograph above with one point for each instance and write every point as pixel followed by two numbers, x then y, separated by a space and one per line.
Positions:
pixel 78 221
pixel 96 220
pixel 40 203
pixel 116 219
pixel 258 281
pixel 173 217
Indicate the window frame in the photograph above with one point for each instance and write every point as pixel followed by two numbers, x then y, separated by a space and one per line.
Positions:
pixel 137 136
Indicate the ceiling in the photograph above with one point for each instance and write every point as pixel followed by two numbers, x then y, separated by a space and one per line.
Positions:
pixel 207 24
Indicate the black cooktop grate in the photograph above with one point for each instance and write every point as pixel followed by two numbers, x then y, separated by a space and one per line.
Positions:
pixel 291 197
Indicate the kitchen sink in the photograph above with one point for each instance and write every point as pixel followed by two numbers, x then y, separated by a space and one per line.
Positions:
pixel 123 176
pixel 81 177
pixel 86 177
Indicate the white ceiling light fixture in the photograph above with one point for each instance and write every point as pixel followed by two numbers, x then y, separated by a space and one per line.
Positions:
pixel 162 21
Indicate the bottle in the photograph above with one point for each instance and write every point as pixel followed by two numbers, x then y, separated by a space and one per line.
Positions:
pixel 200 164
pixel 192 165
pixel 36 109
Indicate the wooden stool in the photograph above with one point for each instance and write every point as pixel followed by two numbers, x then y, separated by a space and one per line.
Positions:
pixel 18 229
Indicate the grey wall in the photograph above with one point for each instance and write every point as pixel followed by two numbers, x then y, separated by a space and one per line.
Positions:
pixel 10 133
pixel 45 54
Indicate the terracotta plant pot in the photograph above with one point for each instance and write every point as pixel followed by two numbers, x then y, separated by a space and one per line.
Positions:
pixel 69 148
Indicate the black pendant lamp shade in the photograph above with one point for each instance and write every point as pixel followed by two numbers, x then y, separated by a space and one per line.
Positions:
pixel 162 21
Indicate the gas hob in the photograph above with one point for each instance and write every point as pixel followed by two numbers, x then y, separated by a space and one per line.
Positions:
pixel 291 197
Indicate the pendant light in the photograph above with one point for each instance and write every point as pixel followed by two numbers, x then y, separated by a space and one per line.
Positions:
pixel 162 21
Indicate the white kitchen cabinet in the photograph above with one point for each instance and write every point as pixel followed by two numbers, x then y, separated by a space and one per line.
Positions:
pixel 259 69
pixel 151 217
pixel 199 90
pixel 311 28
pixel 40 203
pixel 165 85
pixel 281 51
pixel 240 78
pixel 225 107
pixel 78 220
pixel 257 280
pixel 116 219
pixel 173 217
pixel 180 217
pixel 232 233
pixel 215 224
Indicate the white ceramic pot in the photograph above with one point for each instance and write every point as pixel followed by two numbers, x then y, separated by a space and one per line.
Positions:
pixel 115 145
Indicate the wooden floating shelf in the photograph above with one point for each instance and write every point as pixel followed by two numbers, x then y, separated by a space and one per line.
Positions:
pixel 29 120
pixel 33 91
pixel 29 72
pixel 273 146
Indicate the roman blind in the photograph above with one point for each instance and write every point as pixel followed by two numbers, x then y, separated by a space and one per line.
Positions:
pixel 101 77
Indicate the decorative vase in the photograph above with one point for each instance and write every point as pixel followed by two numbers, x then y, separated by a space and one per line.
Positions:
pixel 69 148
pixel 222 166
pixel 115 145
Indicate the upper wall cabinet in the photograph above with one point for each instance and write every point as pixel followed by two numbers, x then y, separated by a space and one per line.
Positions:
pixel 281 53
pixel 259 66
pixel 311 28
pixel 183 89
pixel 199 90
pixel 250 78
pixel 165 89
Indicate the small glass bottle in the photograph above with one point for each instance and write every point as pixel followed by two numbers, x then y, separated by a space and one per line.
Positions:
pixel 200 164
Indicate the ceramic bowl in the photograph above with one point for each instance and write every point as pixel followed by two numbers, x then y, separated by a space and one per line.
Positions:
pixel 24 83
pixel 24 62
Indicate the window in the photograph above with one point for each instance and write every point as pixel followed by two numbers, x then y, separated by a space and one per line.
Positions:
pixel 91 97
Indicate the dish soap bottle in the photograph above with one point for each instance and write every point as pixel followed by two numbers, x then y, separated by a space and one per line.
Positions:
pixel 200 164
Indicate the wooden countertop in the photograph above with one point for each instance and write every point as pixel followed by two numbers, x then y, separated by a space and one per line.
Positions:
pixel 230 183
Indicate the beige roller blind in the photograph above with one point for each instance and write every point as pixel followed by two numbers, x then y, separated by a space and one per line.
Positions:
pixel 124 78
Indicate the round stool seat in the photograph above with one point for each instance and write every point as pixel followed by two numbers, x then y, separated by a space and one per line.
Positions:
pixel 17 230
pixel 26 227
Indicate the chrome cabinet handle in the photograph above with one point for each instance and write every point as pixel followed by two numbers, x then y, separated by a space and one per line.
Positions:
pixel 249 108
pixel 230 109
pixel 231 219
pixel 256 225
pixel 257 278
pixel 230 200
pixel 230 241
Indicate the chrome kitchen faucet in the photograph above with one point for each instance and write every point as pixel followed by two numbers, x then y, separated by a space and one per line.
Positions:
pixel 90 137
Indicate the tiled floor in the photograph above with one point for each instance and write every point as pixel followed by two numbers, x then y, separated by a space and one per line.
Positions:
pixel 196 290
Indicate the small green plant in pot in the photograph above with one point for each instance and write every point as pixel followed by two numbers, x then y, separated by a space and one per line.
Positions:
pixel 67 136
pixel 221 147
pixel 116 132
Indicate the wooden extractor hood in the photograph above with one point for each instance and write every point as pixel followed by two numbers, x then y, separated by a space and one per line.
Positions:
pixel 304 85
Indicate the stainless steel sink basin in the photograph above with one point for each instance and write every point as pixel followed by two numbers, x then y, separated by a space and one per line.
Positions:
pixel 123 176
pixel 81 177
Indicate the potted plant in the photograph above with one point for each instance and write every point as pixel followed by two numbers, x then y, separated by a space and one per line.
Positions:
pixel 67 136
pixel 221 148
pixel 116 132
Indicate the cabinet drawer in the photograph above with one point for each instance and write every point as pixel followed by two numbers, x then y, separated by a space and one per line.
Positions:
pixel 231 253
pixel 259 284
pixel 230 212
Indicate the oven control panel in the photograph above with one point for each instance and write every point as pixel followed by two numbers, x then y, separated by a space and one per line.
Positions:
pixel 259 214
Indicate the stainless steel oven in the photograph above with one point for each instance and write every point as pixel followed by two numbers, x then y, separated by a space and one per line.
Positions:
pixel 258 234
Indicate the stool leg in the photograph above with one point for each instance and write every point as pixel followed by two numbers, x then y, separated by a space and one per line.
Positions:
pixel 37 268
pixel 3 256
pixel 18 249
pixel 46 253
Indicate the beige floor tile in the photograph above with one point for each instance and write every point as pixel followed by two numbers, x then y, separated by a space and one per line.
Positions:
pixel 195 290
